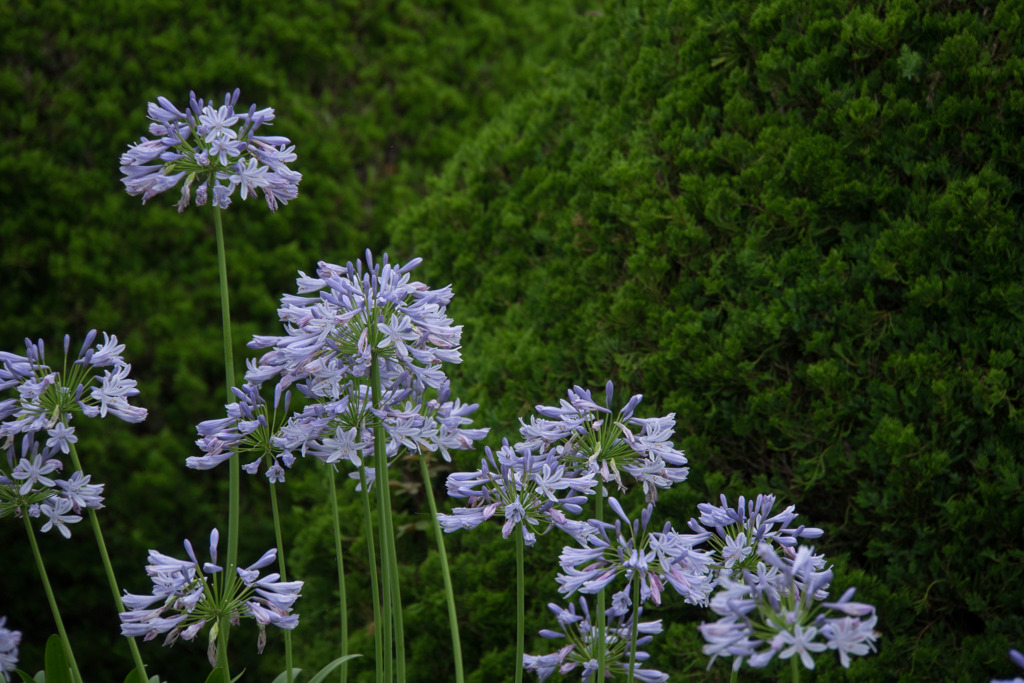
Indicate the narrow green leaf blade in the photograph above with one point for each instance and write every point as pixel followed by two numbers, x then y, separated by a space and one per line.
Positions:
pixel 25 678
pixel 322 674
pixel 56 663
pixel 283 676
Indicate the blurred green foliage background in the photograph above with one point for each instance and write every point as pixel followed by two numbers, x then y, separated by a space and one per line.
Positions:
pixel 797 226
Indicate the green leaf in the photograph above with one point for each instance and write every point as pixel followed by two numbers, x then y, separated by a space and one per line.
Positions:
pixel 25 678
pixel 215 676
pixel 56 663
pixel 322 674
pixel 283 676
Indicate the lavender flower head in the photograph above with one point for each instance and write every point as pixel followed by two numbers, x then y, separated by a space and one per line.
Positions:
pixel 589 436
pixel 735 532
pixel 778 611
pixel 654 559
pixel 531 492
pixel 191 595
pixel 580 652
pixel 215 147
pixel 29 484
pixel 360 315
pixel 47 399
pixel 9 641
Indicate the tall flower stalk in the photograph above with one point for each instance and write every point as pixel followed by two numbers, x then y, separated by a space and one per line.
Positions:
pixel 69 653
pixel 218 151
pixel 366 348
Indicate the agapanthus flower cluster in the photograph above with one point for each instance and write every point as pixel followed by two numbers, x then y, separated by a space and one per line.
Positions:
pixel 580 650
pixel 47 399
pixel 369 325
pixel 9 642
pixel 191 595
pixel 626 548
pixel 779 611
pixel 332 430
pixel 29 484
pixel 249 429
pixel 532 493
pixel 1017 658
pixel 362 318
pixel 213 148
pixel 589 436
pixel 735 532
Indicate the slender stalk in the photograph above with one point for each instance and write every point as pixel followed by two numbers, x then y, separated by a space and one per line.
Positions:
pixel 343 602
pixel 601 641
pixel 381 483
pixel 109 569
pixel 635 627
pixel 734 676
pixel 233 466
pixel 374 591
pixel 284 577
pixel 794 663
pixel 520 606
pixel 453 619
pixel 396 597
pixel 68 653
pixel 388 554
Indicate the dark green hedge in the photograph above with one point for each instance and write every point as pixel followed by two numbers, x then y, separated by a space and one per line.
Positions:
pixel 376 96
pixel 797 226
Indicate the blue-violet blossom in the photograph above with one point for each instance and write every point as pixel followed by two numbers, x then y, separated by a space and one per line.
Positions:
pixel 580 651
pixel 191 594
pixel 215 147
pixel 9 641
pixel 588 436
pixel 779 611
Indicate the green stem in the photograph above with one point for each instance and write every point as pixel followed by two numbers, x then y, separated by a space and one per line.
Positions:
pixel 68 654
pixel 94 521
pixel 233 466
pixel 520 606
pixel 601 642
pixel 734 676
pixel 794 663
pixel 372 557
pixel 453 620
pixel 388 553
pixel 635 627
pixel 396 597
pixel 284 577
pixel 343 603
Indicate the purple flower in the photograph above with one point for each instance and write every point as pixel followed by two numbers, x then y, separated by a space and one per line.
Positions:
pixel 531 492
pixel 586 435
pixel 28 485
pixel 735 532
pixel 354 319
pixel 192 595
pixel 777 611
pixel 58 512
pixel 210 145
pixel 579 633
pixel 9 641
pixel 655 559
pixel 47 400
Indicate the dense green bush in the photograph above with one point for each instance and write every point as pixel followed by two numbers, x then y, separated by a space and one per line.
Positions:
pixel 376 96
pixel 797 226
